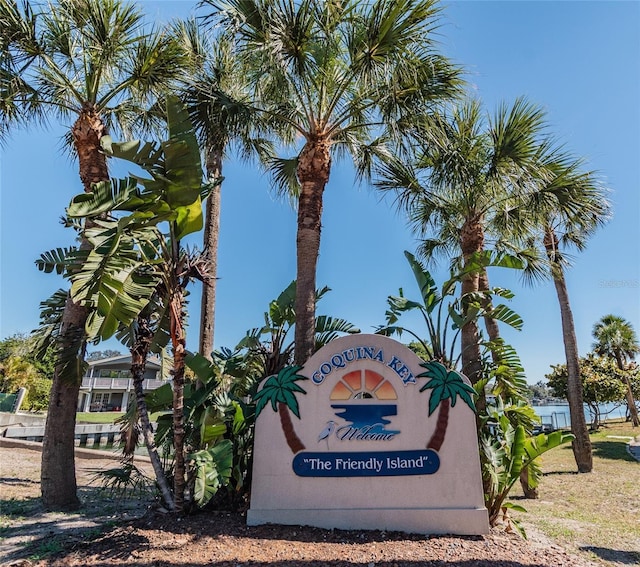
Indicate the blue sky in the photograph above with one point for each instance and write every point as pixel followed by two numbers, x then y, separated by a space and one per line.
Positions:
pixel 579 60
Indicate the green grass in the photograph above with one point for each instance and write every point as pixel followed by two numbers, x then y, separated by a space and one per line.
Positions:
pixel 46 548
pixel 105 416
pixel 98 417
pixel 597 514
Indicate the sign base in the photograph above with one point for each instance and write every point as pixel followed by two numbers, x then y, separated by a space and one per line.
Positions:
pixel 419 521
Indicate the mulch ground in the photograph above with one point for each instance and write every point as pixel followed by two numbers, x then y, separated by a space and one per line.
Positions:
pixel 103 534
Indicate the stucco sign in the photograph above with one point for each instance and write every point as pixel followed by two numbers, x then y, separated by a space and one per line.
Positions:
pixel 367 436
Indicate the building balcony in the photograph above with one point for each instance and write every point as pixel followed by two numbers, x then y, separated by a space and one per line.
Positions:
pixel 123 384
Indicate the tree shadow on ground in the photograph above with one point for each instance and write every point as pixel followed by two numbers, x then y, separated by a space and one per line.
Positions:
pixel 614 555
pixel 613 449
pixel 560 473
pixel 29 531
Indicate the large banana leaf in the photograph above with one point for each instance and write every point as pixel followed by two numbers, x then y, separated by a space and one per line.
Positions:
pixel 106 196
pixel 174 190
pixel 59 260
pixel 517 452
pixel 213 469
pixel 536 446
pixel 427 285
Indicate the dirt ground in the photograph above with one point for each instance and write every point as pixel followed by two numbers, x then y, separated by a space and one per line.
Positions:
pixel 109 531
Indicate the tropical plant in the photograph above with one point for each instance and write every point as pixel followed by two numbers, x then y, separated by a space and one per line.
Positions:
pixel 615 337
pixel 131 261
pixel 330 76
pixel 280 391
pixel 227 407
pixel 147 333
pixel 208 449
pixel 503 455
pixel 442 313
pixel 270 348
pixel 602 382
pixel 96 62
pixel 568 209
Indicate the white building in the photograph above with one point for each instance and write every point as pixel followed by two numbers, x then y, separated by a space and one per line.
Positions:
pixel 108 383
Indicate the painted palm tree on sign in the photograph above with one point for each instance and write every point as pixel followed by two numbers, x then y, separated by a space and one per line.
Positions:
pixel 94 62
pixel 615 337
pixel 280 391
pixel 446 386
pixel 331 77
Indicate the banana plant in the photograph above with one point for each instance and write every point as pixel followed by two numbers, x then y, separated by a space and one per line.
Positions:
pixel 135 226
pixel 443 313
pixel 504 453
pixel 270 347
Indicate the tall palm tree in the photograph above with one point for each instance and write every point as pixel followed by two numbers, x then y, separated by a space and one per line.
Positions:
pixel 331 76
pixel 216 95
pixel 96 63
pixel 460 189
pixel 570 207
pixel 615 337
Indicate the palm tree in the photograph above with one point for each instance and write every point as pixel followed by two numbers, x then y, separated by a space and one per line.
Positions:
pixel 216 95
pixel 280 390
pixel 460 189
pixel 330 76
pixel 616 338
pixel 569 208
pixel 96 62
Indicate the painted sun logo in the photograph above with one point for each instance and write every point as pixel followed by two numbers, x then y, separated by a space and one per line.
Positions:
pixel 365 418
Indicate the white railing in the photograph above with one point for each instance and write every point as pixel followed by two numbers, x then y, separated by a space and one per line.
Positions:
pixel 119 384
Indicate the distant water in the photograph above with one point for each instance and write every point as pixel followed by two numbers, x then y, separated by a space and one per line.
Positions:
pixel 558 414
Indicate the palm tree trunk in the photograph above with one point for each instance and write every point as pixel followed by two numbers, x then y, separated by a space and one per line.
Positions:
pixel 471 242
pixel 294 442
pixel 58 476
pixel 210 245
pixel 490 324
pixel 178 341
pixel 314 165
pixel 441 426
pixel 631 403
pixel 582 443
pixel 139 353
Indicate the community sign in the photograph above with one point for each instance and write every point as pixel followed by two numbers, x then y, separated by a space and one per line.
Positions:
pixel 368 436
